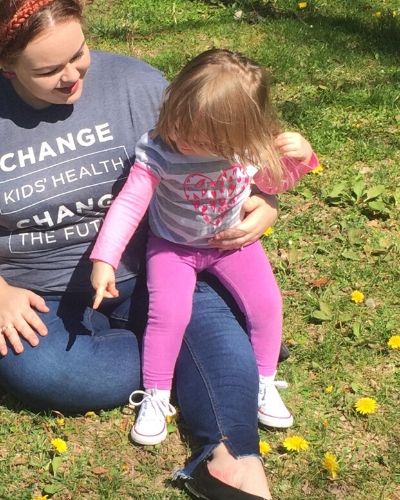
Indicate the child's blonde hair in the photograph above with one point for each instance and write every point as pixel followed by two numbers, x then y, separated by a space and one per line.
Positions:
pixel 220 102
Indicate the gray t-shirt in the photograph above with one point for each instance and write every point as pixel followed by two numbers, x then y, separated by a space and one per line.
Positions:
pixel 61 166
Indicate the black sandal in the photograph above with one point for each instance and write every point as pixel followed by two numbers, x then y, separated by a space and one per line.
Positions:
pixel 207 487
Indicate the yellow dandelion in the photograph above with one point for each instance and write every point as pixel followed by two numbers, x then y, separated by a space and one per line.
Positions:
pixel 268 231
pixel 295 443
pixel 329 389
pixel 365 406
pixel 302 5
pixel 331 465
pixel 40 497
pixel 378 13
pixel 60 445
pixel 318 170
pixel 90 414
pixel 357 297
pixel 264 447
pixel 394 342
pixel 60 422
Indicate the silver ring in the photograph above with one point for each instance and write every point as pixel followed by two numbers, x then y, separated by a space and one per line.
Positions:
pixel 7 327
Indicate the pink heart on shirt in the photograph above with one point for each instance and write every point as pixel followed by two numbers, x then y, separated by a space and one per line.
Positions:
pixel 212 198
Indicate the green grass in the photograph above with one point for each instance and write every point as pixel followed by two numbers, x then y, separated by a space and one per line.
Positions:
pixel 336 78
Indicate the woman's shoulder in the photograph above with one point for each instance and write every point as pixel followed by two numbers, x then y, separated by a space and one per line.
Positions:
pixel 117 65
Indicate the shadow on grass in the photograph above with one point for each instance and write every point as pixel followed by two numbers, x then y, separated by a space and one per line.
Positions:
pixel 338 92
pixel 9 402
pixel 374 39
pixel 380 35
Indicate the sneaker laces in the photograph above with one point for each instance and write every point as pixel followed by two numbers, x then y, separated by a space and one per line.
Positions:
pixel 151 403
pixel 266 382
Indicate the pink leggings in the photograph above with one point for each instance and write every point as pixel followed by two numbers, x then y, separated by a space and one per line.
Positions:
pixel 171 273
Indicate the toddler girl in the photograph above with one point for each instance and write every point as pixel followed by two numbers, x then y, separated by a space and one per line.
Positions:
pixel 216 136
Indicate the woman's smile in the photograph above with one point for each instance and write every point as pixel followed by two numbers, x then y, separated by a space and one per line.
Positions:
pixel 71 89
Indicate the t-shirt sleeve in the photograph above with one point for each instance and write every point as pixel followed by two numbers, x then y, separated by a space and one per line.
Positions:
pixel 125 213
pixel 149 156
pixel 292 171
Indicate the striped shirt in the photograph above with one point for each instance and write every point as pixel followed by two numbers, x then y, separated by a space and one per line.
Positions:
pixel 190 198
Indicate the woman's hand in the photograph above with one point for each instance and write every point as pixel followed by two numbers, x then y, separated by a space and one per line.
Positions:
pixel 18 318
pixel 260 212
pixel 103 281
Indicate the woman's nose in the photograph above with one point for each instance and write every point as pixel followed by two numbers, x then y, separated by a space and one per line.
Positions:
pixel 70 74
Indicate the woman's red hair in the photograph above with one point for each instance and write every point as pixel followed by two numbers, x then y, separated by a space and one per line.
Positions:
pixel 22 20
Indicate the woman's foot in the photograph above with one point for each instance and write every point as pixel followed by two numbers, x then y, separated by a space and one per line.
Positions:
pixel 246 474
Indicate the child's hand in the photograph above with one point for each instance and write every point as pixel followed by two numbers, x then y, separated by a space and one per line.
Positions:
pixel 103 281
pixel 293 145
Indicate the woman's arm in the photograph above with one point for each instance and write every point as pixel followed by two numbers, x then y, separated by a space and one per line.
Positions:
pixel 18 318
pixel 260 212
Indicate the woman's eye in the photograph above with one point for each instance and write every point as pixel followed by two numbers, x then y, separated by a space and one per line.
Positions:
pixel 56 70
pixel 49 73
pixel 77 56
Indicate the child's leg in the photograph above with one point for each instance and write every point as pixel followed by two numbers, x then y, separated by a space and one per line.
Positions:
pixel 248 276
pixel 171 279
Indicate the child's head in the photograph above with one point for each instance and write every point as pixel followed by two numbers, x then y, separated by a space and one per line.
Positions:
pixel 219 104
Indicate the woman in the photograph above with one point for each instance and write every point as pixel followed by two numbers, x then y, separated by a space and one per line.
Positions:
pixel 71 119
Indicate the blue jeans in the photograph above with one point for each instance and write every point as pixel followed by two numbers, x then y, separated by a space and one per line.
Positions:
pixel 88 361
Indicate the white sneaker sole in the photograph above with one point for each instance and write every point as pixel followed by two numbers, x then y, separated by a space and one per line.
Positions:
pixel 147 440
pixel 277 422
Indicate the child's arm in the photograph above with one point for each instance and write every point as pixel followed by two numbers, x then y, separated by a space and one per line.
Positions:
pixel 103 281
pixel 119 225
pixel 298 159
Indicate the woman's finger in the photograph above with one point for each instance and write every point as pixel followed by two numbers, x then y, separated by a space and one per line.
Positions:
pixel 3 345
pixel 38 302
pixel 229 239
pixel 25 331
pixel 11 335
pixel 35 322
pixel 228 234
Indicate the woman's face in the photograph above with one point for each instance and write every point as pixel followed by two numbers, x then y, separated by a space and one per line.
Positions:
pixel 52 67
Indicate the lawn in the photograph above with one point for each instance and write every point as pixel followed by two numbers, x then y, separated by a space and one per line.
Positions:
pixel 336 78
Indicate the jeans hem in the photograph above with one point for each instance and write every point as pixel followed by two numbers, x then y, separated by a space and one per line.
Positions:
pixel 184 473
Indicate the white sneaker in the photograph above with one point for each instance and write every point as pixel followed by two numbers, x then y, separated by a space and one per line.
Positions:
pixel 271 409
pixel 150 427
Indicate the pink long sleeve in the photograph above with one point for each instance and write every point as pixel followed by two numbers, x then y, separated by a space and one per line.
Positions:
pixel 124 215
pixel 293 171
